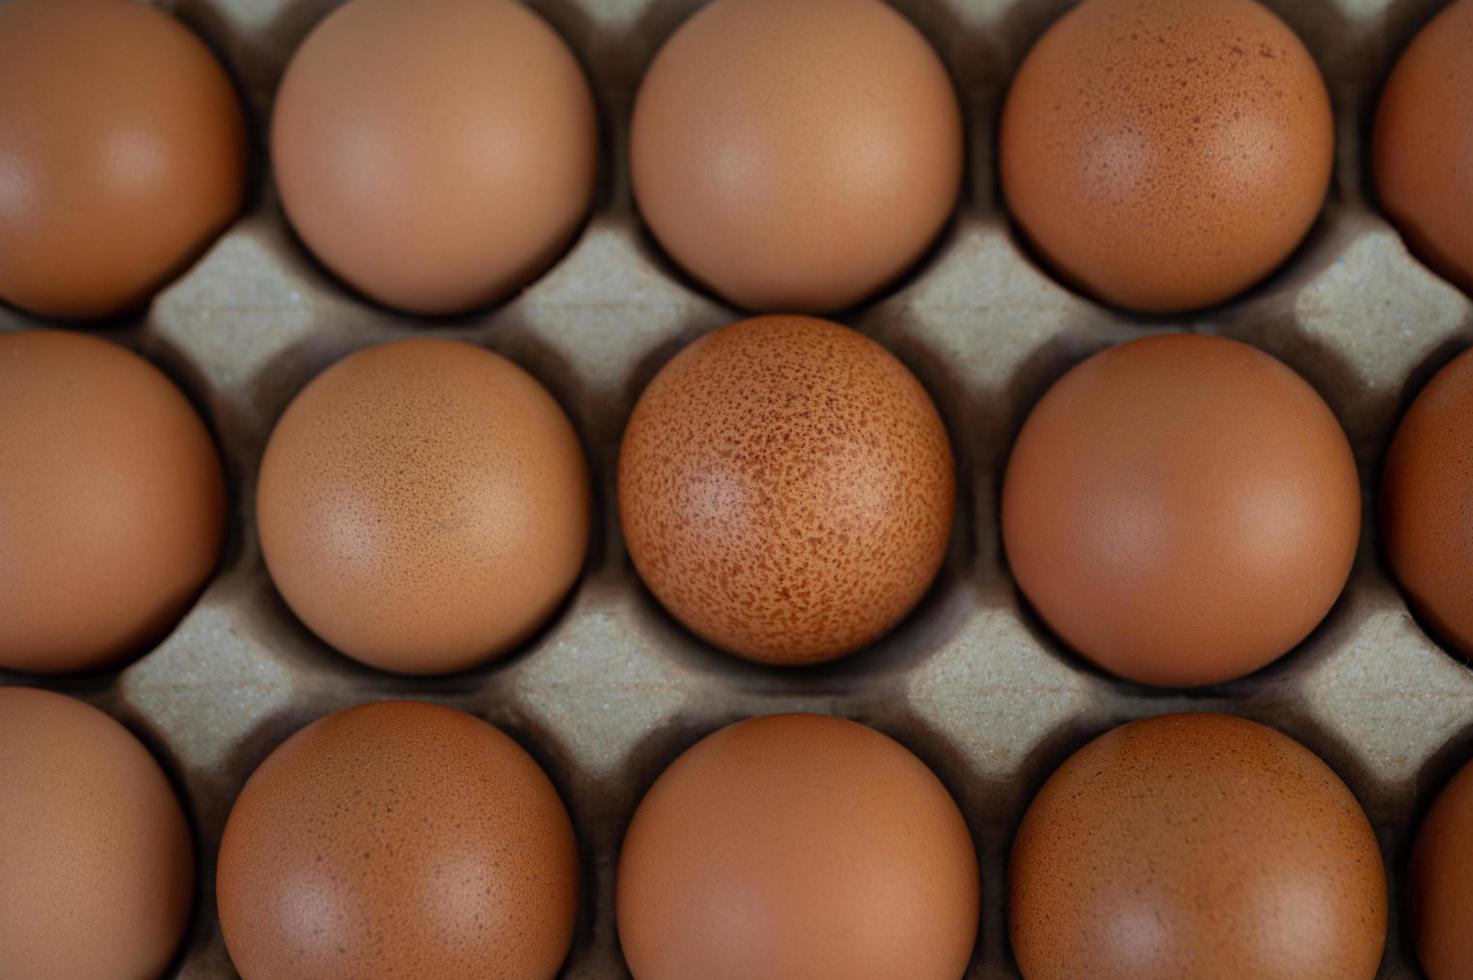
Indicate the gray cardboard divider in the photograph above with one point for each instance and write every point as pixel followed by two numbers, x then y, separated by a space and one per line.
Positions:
pixel 612 690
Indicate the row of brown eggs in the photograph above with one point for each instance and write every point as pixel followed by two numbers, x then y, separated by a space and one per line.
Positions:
pixel 785 488
pixel 407 839
pixel 1162 156
pixel 1180 510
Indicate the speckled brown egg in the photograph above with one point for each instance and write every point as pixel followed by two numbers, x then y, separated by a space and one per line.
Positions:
pixel 1165 156
pixel 1423 141
pixel 424 506
pixel 797 847
pixel 112 503
pixel 786 488
pixel 1426 523
pixel 1181 510
pixel 122 154
pixel 96 858
pixel 436 155
pixel 1440 883
pixel 1196 846
pixel 796 157
pixel 398 839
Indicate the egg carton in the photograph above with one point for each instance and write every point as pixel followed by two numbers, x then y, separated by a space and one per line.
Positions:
pixel 612 690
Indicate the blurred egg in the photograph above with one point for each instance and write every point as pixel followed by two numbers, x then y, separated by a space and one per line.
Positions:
pixel 1165 156
pixel 112 503
pixel 122 154
pixel 1181 510
pixel 96 859
pixel 797 847
pixel 398 839
pixel 1196 846
pixel 436 155
pixel 786 488
pixel 424 506
pixel 796 157
pixel 1426 523
pixel 1423 141
pixel 1440 883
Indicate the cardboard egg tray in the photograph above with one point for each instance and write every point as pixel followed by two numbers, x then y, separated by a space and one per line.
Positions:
pixel 612 690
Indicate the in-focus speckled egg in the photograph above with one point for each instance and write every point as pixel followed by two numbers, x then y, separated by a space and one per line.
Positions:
pixel 798 847
pixel 398 839
pixel 96 859
pixel 424 506
pixel 1181 510
pixel 112 503
pixel 1423 143
pixel 436 155
pixel 796 157
pixel 786 488
pixel 1440 883
pixel 1426 521
pixel 1196 845
pixel 1165 155
pixel 123 154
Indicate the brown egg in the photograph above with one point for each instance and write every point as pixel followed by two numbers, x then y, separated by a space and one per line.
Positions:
pixel 436 155
pixel 1196 846
pixel 798 847
pixel 1424 140
pixel 796 156
pixel 1181 510
pixel 112 503
pixel 1426 524
pixel 398 840
pixel 786 488
pixel 424 506
pixel 123 149
pixel 1165 156
pixel 1440 883
pixel 96 858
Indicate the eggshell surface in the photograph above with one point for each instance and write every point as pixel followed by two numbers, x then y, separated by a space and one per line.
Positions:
pixel 112 503
pixel 786 489
pixel 123 154
pixel 96 858
pixel 797 847
pixel 1440 883
pixel 796 157
pixel 1196 846
pixel 398 839
pixel 1181 510
pixel 1426 524
pixel 424 506
pixel 1423 141
pixel 1165 156
pixel 436 155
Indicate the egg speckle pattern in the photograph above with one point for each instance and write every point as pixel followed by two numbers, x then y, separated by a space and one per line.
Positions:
pixel 424 505
pixel 1196 845
pixel 398 839
pixel 787 489
pixel 1165 156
